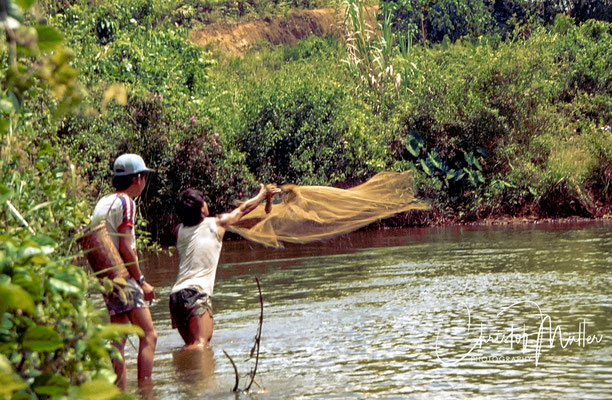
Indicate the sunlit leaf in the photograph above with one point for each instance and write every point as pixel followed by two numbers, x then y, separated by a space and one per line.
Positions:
pixel 9 383
pixel 30 249
pixel 14 297
pixel 46 250
pixel 97 389
pixel 107 284
pixel 5 364
pixel 25 4
pixel 51 385
pixel 425 167
pixel 120 281
pixel 62 286
pixel 48 38
pixel 106 374
pixel 414 147
pixel 6 107
pixel 39 260
pixel 415 144
pixel 122 295
pixel 40 338
pixel 435 160
pixel 112 330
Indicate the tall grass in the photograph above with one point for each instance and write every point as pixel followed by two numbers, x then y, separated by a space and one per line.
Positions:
pixel 371 51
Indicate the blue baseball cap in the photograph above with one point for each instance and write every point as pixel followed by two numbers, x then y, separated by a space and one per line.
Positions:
pixel 129 164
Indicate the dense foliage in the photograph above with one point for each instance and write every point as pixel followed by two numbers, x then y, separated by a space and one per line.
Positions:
pixel 528 122
pixel 483 121
pixel 511 114
pixel 53 342
pixel 299 131
pixel 519 127
pixel 433 21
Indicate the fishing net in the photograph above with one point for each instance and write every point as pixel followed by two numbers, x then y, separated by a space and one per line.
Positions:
pixel 311 213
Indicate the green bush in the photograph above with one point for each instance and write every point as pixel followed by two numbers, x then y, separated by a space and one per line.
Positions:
pixel 516 101
pixel 477 120
pixel 434 21
pixel 53 343
pixel 302 125
pixel 162 75
pixel 297 134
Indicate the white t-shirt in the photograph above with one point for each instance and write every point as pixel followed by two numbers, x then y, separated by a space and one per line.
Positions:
pixel 121 214
pixel 199 249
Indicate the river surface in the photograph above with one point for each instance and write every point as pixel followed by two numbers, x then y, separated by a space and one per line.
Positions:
pixel 519 312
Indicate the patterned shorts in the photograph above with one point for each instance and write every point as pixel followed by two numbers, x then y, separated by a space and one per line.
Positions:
pixel 125 298
pixel 188 303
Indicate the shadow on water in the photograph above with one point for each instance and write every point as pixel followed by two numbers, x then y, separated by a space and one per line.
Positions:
pixel 403 314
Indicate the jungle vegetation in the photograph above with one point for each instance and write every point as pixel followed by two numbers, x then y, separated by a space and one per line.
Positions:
pixel 501 108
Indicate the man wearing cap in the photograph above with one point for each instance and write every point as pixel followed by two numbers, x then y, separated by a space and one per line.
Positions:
pixel 127 304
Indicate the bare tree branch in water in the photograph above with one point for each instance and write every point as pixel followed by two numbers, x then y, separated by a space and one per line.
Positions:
pixel 254 350
pixel 257 337
pixel 235 389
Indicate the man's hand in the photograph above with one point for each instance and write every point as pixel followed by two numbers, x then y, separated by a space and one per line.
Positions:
pixel 231 218
pixel 270 189
pixel 149 292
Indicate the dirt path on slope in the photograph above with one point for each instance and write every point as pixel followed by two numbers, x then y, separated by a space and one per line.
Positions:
pixel 281 29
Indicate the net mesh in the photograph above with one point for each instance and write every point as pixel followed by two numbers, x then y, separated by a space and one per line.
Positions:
pixel 311 213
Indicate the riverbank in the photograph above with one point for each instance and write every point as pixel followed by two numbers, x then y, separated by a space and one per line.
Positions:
pixel 536 221
pixel 423 219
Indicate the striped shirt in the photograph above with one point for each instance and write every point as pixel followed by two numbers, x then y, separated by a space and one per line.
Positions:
pixel 118 210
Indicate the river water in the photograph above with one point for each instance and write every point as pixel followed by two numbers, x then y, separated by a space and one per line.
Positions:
pixel 445 313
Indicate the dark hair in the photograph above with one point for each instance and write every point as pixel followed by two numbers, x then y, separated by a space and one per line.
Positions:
pixel 124 182
pixel 189 207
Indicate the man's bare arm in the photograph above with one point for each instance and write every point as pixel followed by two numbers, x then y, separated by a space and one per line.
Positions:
pixel 130 258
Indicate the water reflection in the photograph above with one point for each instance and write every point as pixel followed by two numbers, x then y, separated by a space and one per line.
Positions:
pixel 358 317
pixel 195 369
